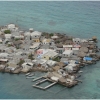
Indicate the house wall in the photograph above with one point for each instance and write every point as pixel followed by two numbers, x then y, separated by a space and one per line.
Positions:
pixel 39 52
pixel 76 41
pixel 36 40
pixel 60 50
pixel 46 57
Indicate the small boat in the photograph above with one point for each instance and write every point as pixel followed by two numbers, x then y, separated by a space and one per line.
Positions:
pixel 30 75
pixel 27 74
pixel 80 71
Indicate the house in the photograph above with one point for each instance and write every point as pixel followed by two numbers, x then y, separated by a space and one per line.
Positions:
pixel 8 36
pixel 59 48
pixel 36 36
pixel 75 51
pixel 12 65
pixel 4 55
pixel 35 46
pixel 42 51
pixel 50 55
pixel 67 47
pixel 3 28
pixel 2 48
pixel 27 66
pixel 84 41
pixel 70 67
pixel 2 35
pixel 67 53
pixel 45 46
pixel 1 41
pixel 46 41
pixel 76 40
pixel 17 35
pixel 55 37
pixel 51 63
pixel 12 27
pixel 27 60
pixel 31 30
pixel 3 61
pixel 39 61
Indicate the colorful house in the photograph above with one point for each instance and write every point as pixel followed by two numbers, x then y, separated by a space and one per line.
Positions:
pixel 36 36
pixel 46 41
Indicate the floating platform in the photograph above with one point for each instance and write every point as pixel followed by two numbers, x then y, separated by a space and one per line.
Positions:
pixel 46 87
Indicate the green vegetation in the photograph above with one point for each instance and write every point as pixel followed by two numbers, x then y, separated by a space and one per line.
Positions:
pixel 56 59
pixel 7 32
pixel 6 42
pixel 16 39
pixel 51 34
pixel 9 45
pixel 21 62
pixel 57 42
pixel 30 57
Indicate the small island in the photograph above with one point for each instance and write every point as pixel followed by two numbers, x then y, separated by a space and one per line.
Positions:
pixel 58 55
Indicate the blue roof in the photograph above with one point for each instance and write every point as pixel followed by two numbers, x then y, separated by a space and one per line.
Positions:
pixel 88 58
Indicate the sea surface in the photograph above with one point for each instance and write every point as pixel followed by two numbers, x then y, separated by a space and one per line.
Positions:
pixel 78 19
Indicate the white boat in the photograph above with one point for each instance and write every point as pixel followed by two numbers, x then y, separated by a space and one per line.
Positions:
pixel 80 71
pixel 27 74
pixel 30 75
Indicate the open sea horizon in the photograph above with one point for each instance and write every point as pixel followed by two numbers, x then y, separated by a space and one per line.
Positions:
pixel 75 18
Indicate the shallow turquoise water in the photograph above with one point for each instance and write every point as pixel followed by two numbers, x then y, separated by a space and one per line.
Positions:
pixel 80 19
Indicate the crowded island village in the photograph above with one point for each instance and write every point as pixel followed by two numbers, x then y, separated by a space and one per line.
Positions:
pixel 59 55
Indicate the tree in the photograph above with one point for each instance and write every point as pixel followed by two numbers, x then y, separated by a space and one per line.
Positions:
pixel 56 59
pixel 31 57
pixel 21 62
pixel 16 39
pixel 51 34
pixel 7 32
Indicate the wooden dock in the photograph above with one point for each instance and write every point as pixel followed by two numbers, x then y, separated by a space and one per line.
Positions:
pixel 46 87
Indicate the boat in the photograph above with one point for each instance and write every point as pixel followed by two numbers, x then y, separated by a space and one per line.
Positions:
pixel 27 74
pixel 30 75
pixel 80 71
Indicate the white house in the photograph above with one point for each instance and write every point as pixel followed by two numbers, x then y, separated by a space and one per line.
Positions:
pixel 12 27
pixel 67 53
pixel 70 67
pixel 67 47
pixel 8 36
pixel 4 55
pixel 36 36
pixel 46 41
pixel 27 66
pixel 75 50
pixel 50 55
pixel 76 40
pixel 55 37
pixel 34 46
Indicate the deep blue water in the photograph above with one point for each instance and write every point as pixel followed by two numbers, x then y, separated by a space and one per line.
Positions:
pixel 80 19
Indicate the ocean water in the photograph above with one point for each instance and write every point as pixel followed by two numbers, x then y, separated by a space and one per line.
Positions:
pixel 79 19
